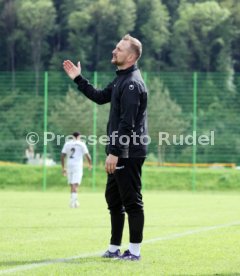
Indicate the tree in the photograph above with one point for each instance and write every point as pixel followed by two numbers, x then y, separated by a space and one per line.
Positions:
pixel 234 7
pixel 172 7
pixel 96 27
pixel 59 41
pixel 152 28
pixel 201 41
pixel 164 116
pixel 37 19
pixel 19 115
pixel 221 118
pixel 202 38
pixel 70 113
pixel 9 23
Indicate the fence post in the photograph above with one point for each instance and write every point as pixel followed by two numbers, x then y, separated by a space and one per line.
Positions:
pixel 194 153
pixel 45 121
pixel 95 81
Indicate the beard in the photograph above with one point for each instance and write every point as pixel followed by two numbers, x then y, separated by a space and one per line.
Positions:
pixel 116 62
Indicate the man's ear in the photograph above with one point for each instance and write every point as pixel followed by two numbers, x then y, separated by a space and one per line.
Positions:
pixel 131 57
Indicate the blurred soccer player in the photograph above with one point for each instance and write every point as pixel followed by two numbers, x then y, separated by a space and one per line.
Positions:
pixel 127 94
pixel 74 150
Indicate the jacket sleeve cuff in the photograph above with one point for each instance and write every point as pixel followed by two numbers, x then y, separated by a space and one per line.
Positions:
pixel 78 79
pixel 114 151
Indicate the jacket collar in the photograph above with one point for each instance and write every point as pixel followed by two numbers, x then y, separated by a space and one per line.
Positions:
pixel 128 70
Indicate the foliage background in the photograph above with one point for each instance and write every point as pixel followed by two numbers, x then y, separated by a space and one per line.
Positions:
pixel 179 37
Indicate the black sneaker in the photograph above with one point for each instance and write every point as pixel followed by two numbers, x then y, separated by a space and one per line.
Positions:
pixel 128 256
pixel 109 254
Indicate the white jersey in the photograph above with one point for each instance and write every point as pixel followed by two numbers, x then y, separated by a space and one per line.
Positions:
pixel 75 150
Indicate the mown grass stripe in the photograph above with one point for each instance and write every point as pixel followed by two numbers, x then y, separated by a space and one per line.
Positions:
pixel 97 254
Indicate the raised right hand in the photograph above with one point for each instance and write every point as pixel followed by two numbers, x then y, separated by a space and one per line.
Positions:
pixel 72 70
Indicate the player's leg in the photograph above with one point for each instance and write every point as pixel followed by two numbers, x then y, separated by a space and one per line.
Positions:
pixel 74 196
pixel 117 214
pixel 69 176
pixel 129 182
pixel 76 181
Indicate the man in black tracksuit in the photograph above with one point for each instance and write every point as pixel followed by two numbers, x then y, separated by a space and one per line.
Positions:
pixel 126 151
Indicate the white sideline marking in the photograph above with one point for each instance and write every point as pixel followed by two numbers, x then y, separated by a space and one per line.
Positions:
pixel 191 232
pixel 97 254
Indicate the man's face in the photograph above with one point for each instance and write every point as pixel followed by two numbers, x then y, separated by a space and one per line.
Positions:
pixel 121 53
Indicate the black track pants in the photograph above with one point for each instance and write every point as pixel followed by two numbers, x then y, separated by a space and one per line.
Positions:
pixel 123 193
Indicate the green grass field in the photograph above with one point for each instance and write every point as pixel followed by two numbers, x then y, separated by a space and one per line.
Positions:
pixel 185 234
pixel 30 178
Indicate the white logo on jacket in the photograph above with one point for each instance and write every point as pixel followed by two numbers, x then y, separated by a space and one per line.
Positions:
pixel 131 87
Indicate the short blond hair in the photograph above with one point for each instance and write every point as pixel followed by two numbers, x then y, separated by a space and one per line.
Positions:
pixel 135 44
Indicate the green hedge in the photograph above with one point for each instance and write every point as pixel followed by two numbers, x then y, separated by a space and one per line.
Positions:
pixel 26 177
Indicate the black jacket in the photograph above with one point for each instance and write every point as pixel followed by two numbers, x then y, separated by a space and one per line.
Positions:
pixel 127 125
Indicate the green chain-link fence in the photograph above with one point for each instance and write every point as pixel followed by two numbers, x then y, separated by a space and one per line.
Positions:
pixel 180 104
